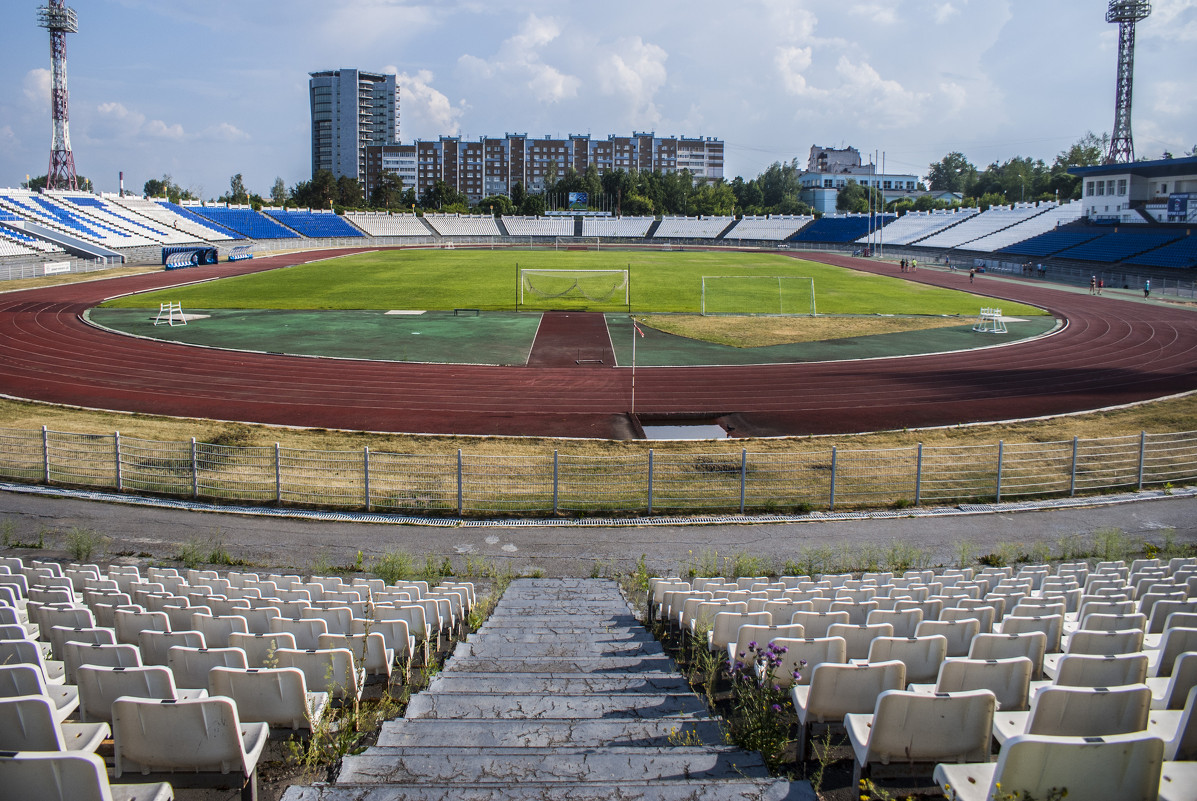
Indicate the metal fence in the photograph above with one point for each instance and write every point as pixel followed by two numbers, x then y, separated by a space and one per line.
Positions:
pixel 651 482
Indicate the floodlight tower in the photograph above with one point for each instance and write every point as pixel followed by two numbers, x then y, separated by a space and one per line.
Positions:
pixel 59 21
pixel 1126 13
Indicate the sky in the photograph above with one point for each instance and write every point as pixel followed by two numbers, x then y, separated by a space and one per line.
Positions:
pixel 204 89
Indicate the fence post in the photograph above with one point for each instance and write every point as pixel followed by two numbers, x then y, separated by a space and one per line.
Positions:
pixel 918 478
pixel 366 474
pixel 45 454
pixel 743 475
pixel 278 473
pixel 459 482
pixel 194 470
pixel 834 454
pixel 1072 480
pixel 1001 450
pixel 116 451
pixel 1142 455
pixel 650 481
pixel 554 482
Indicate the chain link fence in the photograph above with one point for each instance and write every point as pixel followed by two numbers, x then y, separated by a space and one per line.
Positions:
pixel 653 482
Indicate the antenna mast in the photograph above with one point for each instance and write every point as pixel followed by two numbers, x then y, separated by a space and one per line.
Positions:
pixel 1126 13
pixel 59 21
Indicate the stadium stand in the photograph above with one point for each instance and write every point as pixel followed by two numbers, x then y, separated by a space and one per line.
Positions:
pixel 996 218
pixel 463 224
pixel 1182 253
pixel 11 247
pixel 636 227
pixel 314 224
pixel 539 226
pixel 14 237
pixel 1054 241
pixel 1120 245
pixel 1048 221
pixel 914 225
pixel 381 223
pixel 692 227
pixel 776 228
pixel 244 221
pixel 46 211
pixel 165 213
pixel 839 228
pixel 103 211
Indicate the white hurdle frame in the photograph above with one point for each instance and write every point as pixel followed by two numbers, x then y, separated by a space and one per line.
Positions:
pixel 173 312
pixel 990 321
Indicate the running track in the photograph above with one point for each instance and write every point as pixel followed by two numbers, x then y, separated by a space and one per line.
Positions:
pixel 1111 352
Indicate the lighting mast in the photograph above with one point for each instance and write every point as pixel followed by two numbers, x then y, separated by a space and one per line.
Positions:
pixel 59 21
pixel 1126 13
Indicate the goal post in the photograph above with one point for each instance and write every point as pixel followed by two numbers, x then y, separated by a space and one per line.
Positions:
pixel 574 289
pixel 779 295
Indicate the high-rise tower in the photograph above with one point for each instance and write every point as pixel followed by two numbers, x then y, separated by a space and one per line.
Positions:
pixel 351 110
pixel 59 21
pixel 1126 13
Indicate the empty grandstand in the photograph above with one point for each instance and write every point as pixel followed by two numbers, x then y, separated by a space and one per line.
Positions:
pixel 1054 241
pixel 195 219
pixel 996 218
pixel 314 224
pixel 102 210
pixel 776 228
pixel 841 227
pixel 244 221
pixel 381 223
pixel 1180 253
pixel 915 225
pixel 692 227
pixel 627 227
pixel 164 216
pixel 46 211
pixel 539 226
pixel 1120 245
pixel 1049 220
pixel 463 224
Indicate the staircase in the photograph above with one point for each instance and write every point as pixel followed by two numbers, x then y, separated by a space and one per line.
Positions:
pixel 561 695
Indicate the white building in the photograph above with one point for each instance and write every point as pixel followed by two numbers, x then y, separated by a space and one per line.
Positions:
pixel 1163 191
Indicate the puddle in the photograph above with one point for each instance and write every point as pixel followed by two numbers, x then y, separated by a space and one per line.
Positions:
pixel 685 431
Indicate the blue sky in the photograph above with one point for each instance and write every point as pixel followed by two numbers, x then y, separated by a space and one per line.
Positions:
pixel 203 89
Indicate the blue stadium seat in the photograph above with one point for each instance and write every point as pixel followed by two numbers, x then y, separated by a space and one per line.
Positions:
pixel 314 225
pixel 839 229
pixel 1181 253
pixel 188 213
pixel 246 222
pixel 1052 242
pixel 1120 245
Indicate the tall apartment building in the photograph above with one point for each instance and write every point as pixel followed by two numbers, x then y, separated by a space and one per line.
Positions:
pixel 351 110
pixel 493 165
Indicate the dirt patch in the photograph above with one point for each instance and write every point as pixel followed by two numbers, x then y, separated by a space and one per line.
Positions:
pixel 754 332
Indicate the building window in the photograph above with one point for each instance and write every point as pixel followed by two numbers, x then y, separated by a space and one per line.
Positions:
pixel 1089 188
pixel 1101 187
pixel 1121 186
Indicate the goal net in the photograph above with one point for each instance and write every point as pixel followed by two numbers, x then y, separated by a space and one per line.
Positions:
pixel 574 289
pixel 758 294
pixel 577 243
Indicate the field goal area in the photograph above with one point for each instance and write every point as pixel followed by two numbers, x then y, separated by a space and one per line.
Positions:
pixel 781 295
pixel 574 289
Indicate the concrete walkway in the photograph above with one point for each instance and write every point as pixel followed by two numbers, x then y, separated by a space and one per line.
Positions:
pixel 561 695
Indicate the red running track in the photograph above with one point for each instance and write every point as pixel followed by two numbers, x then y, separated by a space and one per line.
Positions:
pixel 1110 352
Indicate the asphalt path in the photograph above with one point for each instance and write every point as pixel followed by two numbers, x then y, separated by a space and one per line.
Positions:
pixel 141 534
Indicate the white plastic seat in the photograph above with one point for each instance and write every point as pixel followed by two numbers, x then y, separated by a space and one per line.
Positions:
pixel 155 645
pixel 762 636
pixel 337 619
pixel 185 738
pixel 984 615
pixel 914 731
pixel 370 652
pixel 1008 679
pixel 395 634
pixel 958 633
pixel 1114 768
pixel 812 651
pixel 836 690
pixel 858 638
pixel 79 617
pixel 257 619
pixel 1086 670
pixel 60 636
pixel 28 723
pixel 79 654
pixel 100 686
pixel 191 665
pixel 21 680
pixel 259 648
pixel 278 697
pixel 217 628
pixel 1079 712
pixel 1096 643
pixel 68 776
pixel 329 671
pixel 1005 646
pixel 1176 687
pixel 858 611
pixel 306 632
pixel 726 625
pixel 129 624
pixel 816 624
pixel 905 622
pixel 921 655
pixel 1173 643
pixel 1051 625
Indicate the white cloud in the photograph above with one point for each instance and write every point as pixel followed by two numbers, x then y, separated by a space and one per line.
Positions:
pixel 224 132
pixel 8 137
pixel 429 106
pixel 635 71
pixel 873 98
pixel 944 12
pixel 519 59
pixel 791 63
pixel 36 88
pixel 882 13
pixel 116 121
pixel 1174 20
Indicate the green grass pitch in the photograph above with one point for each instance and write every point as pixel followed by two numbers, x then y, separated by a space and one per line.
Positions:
pixel 483 279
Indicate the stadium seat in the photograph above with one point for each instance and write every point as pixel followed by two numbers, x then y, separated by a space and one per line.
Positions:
pixel 331 671
pixel 21 680
pixel 191 665
pixel 29 723
pixel 99 687
pixel 70 776
pixel 1079 712
pixel 836 690
pixel 921 655
pixel 277 696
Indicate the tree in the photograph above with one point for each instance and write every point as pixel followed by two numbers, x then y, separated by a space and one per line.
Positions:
pixel 317 193
pixel 278 193
pixel 858 198
pixel 518 194
pixel 442 196
pixel 533 205
pixel 237 194
pixel 952 173
pixel 496 204
pixel 39 183
pixel 349 192
pixel 387 192
pixel 635 205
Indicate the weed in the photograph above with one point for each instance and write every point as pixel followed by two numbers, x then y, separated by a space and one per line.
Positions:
pixel 220 555
pixel 814 560
pixel 394 566
pixel 321 565
pixel 760 719
pixel 8 532
pixel 641 577
pixel 81 543
pixel 1071 548
pixel 191 554
pixel 822 751
pixel 1039 553
pixel 536 573
pixel 742 564
pixel 902 556
pixel 901 503
pixel 1110 544
pixel 966 554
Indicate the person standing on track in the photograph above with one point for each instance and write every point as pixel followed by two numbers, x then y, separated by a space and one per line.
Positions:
pixel 1101 284
pixel 972 271
pixel 914 265
pixel 1146 288
pixel 1093 285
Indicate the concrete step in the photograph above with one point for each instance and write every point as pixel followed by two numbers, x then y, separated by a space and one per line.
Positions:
pixel 628 732
pixel 561 683
pixel 553 705
pixel 391 765
pixel 564 626
pixel 491 648
pixel 533 663
pixel 630 790
pixel 553 635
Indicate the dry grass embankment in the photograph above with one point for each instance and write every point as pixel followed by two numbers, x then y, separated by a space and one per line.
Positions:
pixel 762 331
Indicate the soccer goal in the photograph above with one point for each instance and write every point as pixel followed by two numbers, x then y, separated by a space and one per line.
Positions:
pixel 573 289
pixel 758 294
pixel 577 243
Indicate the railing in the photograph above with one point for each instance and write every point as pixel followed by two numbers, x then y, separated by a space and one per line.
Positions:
pixel 652 482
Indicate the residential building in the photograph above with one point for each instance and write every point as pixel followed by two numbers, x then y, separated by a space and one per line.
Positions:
pixel 351 110
pixel 828 170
